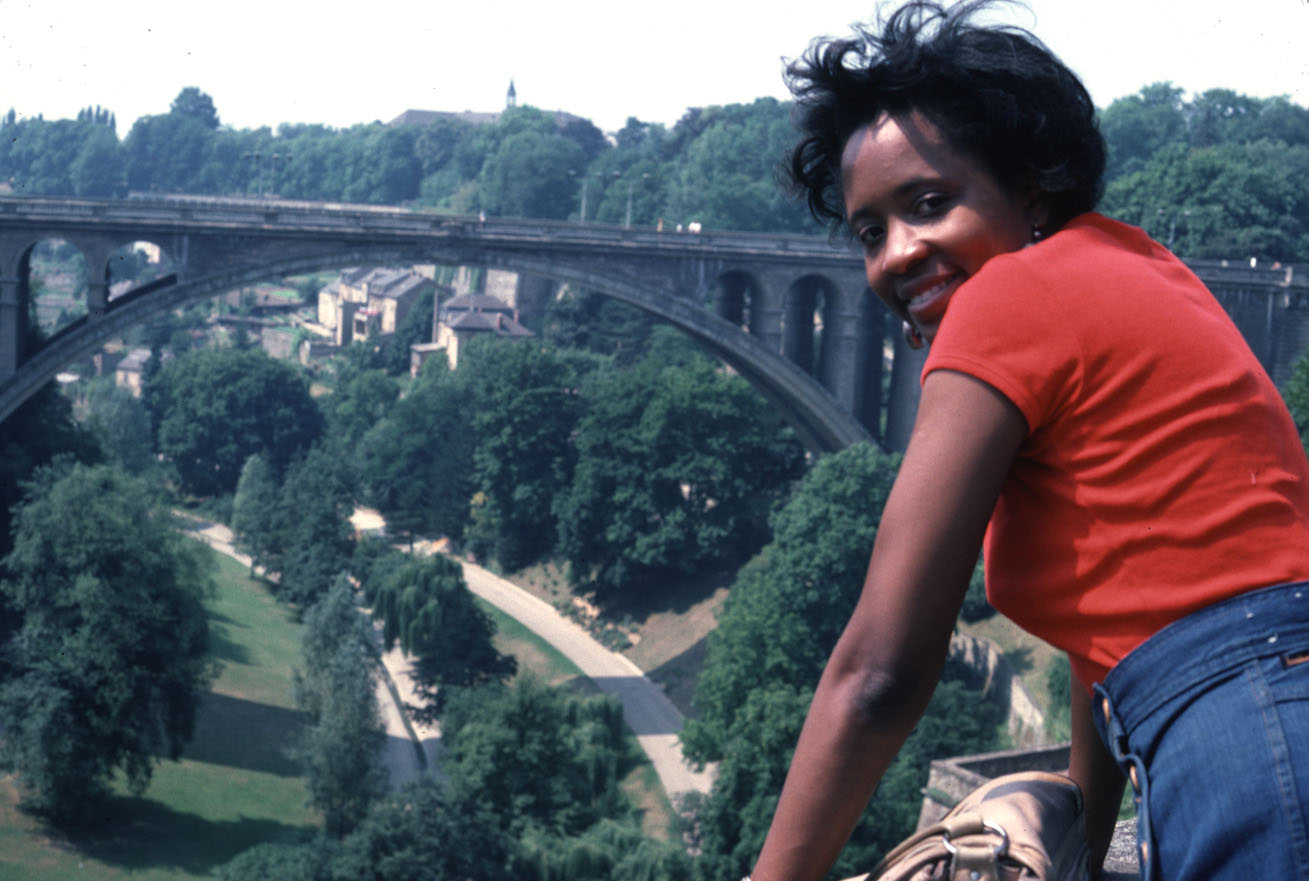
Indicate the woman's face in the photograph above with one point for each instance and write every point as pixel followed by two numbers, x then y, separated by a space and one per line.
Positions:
pixel 926 215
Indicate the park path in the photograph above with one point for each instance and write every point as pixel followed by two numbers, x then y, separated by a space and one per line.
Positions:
pixel 412 748
pixel 646 709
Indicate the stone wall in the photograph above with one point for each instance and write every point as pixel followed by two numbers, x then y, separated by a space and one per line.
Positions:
pixel 999 680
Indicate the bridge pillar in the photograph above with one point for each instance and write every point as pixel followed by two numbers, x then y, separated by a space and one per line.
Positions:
pixel 15 270
pixel 798 323
pixel 867 367
pixel 839 356
pixel 96 250
pixel 734 296
pixel 97 298
pixel 906 368
pixel 768 306
pixel 13 324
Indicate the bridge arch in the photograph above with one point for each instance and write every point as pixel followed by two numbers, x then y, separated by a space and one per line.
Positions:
pixel 218 243
pixel 738 296
pixel 817 417
pixel 820 421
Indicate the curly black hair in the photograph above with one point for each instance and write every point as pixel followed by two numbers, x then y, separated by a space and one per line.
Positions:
pixel 994 92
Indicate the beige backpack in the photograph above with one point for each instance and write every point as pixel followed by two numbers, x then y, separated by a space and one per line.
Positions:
pixel 1020 827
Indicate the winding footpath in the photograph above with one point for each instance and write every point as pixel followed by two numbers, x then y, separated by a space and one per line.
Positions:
pixel 412 748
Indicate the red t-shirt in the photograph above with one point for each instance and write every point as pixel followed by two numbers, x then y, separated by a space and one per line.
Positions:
pixel 1161 471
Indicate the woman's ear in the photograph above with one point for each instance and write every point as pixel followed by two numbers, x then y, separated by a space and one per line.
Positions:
pixel 1038 210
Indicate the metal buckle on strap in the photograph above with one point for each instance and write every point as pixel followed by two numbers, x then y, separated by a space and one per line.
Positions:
pixel 972 861
pixel 1001 849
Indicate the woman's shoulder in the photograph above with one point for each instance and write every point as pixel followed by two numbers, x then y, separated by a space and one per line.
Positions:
pixel 1089 263
pixel 1092 244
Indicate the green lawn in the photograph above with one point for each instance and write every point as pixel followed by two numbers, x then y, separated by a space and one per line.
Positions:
pixel 233 789
pixel 535 656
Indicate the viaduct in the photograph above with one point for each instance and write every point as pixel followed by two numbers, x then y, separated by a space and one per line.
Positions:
pixel 792 314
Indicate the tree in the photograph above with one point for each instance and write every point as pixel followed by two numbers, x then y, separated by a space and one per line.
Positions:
pixel 420 833
pixel 306 861
pixel 195 104
pixel 167 153
pixel 724 176
pixel 1138 126
pixel 110 657
pixel 340 746
pixel 314 540
pixel 1231 199
pixel 599 324
pixel 532 175
pixel 1219 116
pixel 100 168
pixel 426 607
pixel 538 758
pixel 41 429
pixel 677 467
pixel 610 850
pixel 213 408
pixel 122 425
pixel 526 406
pixel 393 353
pixel 255 511
pixel 362 397
pixel 416 465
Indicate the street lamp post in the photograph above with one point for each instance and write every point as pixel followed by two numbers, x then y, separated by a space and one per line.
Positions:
pixel 258 157
pixel 586 181
pixel 628 222
pixel 258 166
pixel 285 157
pixel 1172 225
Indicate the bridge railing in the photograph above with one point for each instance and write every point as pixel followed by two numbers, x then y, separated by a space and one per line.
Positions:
pixel 168 209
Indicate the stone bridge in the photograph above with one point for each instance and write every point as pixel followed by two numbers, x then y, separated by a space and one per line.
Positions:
pixel 792 314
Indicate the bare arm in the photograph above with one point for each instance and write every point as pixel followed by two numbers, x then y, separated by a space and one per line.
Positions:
pixel 1095 771
pixel 887 662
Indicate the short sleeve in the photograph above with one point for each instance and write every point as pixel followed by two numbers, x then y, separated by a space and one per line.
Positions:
pixel 1008 328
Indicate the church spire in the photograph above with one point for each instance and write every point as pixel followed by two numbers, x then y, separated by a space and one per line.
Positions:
pixel 511 99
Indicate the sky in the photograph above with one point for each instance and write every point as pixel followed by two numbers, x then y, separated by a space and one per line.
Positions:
pixel 269 62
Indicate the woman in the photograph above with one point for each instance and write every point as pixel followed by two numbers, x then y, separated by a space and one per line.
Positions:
pixel 1087 405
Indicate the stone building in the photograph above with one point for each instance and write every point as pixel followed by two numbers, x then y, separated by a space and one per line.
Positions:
pixel 460 319
pixel 365 303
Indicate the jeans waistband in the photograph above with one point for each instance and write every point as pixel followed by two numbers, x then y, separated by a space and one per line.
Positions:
pixel 1209 642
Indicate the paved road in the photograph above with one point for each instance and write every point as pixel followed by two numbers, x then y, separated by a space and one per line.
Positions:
pixel 648 712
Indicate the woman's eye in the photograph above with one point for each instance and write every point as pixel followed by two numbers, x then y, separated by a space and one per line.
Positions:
pixel 929 204
pixel 870 236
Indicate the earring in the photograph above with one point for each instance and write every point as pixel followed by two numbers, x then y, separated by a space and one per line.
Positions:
pixel 912 336
pixel 1036 234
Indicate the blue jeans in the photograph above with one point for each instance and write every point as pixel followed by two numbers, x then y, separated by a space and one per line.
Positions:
pixel 1209 718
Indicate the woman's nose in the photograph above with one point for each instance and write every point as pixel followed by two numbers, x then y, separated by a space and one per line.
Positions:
pixel 903 250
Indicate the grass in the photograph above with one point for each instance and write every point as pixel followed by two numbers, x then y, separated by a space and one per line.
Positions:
pixel 535 656
pixel 233 789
